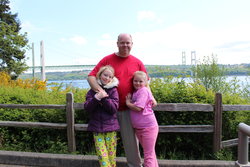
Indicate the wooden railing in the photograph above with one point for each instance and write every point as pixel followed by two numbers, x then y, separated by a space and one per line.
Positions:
pixel 70 106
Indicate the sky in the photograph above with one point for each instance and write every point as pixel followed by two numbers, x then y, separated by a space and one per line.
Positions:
pixel 81 32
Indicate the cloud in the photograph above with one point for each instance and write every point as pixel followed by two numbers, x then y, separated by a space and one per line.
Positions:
pixel 27 26
pixel 178 36
pixel 79 40
pixel 147 16
pixel 63 39
pixel 106 36
pixel 165 46
pixel 236 46
pixel 86 60
pixel 106 41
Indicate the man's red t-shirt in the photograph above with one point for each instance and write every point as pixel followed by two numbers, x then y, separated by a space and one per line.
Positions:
pixel 124 69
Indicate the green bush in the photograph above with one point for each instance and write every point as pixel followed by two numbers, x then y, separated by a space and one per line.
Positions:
pixel 192 145
pixel 35 139
pixel 169 145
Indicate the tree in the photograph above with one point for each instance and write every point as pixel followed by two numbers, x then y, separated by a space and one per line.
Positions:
pixel 210 74
pixel 13 44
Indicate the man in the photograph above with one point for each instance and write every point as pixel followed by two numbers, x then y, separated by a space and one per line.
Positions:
pixel 124 65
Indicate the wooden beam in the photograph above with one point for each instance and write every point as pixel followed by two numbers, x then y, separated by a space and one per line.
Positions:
pixel 236 107
pixel 229 143
pixel 33 124
pixel 217 122
pixel 33 106
pixel 187 128
pixel 70 122
pixel 183 107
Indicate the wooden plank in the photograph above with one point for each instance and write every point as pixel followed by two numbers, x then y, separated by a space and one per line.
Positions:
pixel 172 107
pixel 33 124
pixel 184 107
pixel 217 123
pixel 79 106
pixel 70 122
pixel 32 106
pixel 187 128
pixel 81 127
pixel 159 107
pixel 168 128
pixel 229 143
pixel 236 107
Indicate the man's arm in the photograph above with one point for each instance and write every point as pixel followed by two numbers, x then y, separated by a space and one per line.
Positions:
pixel 93 83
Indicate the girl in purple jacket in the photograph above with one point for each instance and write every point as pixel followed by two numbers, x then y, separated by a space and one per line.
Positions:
pixel 102 107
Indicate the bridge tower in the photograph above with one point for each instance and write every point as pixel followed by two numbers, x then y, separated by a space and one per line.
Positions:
pixel 183 58
pixel 193 61
pixel 193 58
pixel 42 61
pixel 33 60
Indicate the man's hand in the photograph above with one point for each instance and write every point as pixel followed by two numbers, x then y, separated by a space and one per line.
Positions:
pixel 128 99
pixel 101 94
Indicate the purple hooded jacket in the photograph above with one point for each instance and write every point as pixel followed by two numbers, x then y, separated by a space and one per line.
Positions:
pixel 102 114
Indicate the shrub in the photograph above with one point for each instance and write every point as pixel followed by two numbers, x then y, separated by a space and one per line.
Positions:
pixel 191 145
pixel 27 83
pixel 34 92
pixel 166 90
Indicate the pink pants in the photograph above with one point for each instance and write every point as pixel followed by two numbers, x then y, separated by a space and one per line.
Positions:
pixel 147 138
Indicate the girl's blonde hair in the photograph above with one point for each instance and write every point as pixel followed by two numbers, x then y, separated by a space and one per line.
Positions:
pixel 103 68
pixel 143 75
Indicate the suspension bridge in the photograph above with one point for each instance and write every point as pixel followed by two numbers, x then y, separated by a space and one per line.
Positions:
pixel 62 67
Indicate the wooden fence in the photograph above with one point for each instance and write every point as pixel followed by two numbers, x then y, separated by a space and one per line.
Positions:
pixel 215 128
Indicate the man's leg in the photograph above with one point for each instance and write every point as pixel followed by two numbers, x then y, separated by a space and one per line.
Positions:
pixel 129 140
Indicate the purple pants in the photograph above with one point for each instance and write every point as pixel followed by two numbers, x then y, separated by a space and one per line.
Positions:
pixel 147 138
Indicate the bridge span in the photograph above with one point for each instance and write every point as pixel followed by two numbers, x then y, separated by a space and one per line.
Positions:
pixel 61 67
pixel 57 68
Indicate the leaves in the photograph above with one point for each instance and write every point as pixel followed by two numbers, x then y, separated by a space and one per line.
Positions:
pixel 13 44
pixel 210 74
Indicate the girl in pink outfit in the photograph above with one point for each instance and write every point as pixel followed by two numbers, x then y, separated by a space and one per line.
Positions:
pixel 142 117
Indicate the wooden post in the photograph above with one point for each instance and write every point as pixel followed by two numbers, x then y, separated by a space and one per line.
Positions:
pixel 217 122
pixel 70 122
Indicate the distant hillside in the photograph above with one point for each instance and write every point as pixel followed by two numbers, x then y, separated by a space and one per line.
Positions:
pixel 153 70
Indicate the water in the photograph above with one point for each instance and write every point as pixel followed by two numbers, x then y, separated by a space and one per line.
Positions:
pixel 83 84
